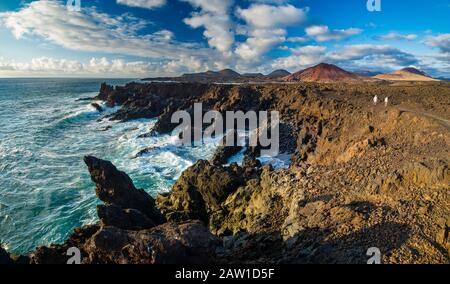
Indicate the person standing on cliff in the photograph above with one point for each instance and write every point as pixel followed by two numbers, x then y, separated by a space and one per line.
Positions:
pixel 386 101
pixel 375 100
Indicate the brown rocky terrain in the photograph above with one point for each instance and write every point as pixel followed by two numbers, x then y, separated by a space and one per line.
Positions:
pixel 361 176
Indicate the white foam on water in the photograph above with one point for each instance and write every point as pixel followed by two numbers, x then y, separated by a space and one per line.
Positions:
pixel 282 161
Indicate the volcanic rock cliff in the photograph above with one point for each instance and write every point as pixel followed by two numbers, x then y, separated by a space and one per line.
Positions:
pixel 361 176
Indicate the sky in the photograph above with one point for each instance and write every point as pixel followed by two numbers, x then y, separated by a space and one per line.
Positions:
pixel 150 38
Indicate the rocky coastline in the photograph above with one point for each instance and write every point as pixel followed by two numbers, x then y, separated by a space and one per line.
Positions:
pixel 361 176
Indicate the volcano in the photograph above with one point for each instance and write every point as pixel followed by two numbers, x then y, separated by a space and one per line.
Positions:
pixel 406 74
pixel 322 73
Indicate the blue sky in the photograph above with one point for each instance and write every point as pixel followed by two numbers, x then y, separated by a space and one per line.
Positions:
pixel 140 38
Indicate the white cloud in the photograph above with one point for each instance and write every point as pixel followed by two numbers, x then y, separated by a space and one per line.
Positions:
pixel 398 36
pixel 266 28
pixel 99 67
pixel 369 55
pixel 441 41
pixel 323 33
pixel 212 6
pixel 302 57
pixel 263 24
pixel 267 16
pixel 148 4
pixel 439 63
pixel 213 16
pixel 90 30
pixel 297 39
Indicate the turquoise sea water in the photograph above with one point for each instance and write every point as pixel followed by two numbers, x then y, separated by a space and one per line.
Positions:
pixel 45 188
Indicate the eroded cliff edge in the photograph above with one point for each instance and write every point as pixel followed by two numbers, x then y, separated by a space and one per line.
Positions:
pixel 361 176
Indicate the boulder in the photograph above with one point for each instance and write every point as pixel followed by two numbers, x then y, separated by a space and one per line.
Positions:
pixel 199 191
pixel 97 107
pixel 57 253
pixel 170 243
pixel 127 219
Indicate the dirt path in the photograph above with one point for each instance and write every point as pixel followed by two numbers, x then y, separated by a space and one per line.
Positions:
pixel 444 122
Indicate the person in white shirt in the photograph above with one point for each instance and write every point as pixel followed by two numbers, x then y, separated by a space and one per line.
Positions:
pixel 386 101
pixel 375 100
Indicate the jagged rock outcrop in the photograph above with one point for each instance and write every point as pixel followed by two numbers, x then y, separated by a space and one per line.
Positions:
pixel 127 219
pixel 116 188
pixel 249 208
pixel 125 235
pixel 199 192
pixel 97 107
pixel 5 257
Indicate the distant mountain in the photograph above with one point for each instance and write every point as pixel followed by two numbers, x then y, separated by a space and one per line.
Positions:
pixel 253 75
pixel 406 74
pixel 322 73
pixel 211 75
pixel 229 73
pixel 279 74
pixel 224 76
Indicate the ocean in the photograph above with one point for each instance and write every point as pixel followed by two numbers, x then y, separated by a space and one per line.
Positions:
pixel 45 131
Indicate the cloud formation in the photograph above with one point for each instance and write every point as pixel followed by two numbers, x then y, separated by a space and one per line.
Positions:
pixel 302 57
pixel 243 35
pixel 398 36
pixel 213 16
pixel 91 30
pixel 99 67
pixel 441 41
pixel 147 4
pixel 266 27
pixel 351 56
pixel 323 33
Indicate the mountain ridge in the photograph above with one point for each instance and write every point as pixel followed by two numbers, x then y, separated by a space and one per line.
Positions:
pixel 322 72
pixel 406 74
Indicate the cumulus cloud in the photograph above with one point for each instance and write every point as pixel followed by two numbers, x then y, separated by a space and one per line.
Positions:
pixel 323 33
pixel 266 27
pixel 267 16
pixel 90 30
pixel 147 4
pixel 398 36
pixel 213 16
